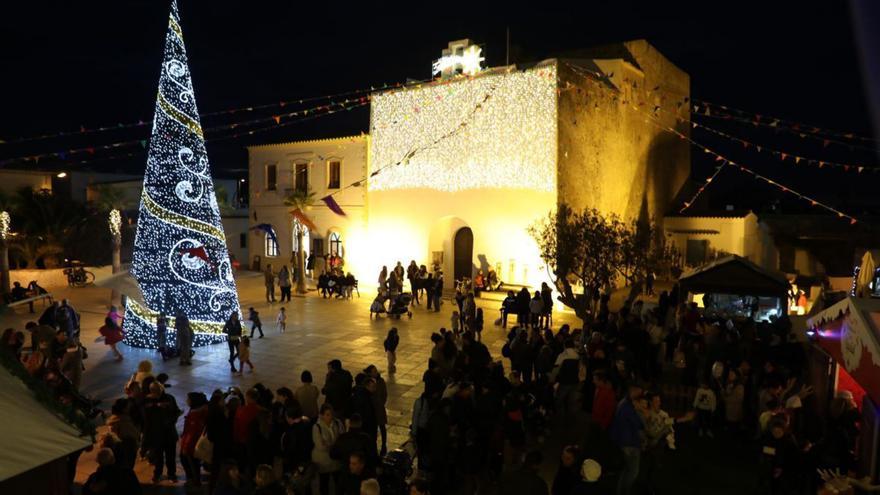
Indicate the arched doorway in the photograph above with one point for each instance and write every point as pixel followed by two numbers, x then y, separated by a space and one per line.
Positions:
pixel 306 237
pixel 463 253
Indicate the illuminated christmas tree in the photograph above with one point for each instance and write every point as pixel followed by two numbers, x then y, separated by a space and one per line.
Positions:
pixel 180 262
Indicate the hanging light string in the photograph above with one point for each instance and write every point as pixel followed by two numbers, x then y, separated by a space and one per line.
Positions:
pixel 783 156
pixel 91 150
pixel 723 162
pixel 231 111
pixel 413 151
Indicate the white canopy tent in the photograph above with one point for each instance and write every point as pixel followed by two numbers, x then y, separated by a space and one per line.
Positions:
pixel 31 433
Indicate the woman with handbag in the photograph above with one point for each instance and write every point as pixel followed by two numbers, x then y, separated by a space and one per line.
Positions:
pixel 193 431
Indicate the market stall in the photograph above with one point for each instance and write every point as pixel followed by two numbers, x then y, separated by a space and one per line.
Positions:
pixel 849 332
pixel 734 287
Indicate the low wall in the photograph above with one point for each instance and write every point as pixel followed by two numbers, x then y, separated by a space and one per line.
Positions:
pixel 53 278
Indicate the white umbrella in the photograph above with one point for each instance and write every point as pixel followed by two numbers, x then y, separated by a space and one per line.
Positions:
pixel 124 283
pixel 866 273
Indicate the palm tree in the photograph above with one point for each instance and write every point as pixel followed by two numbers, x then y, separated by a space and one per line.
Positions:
pixel 112 200
pixel 223 200
pixel 45 223
pixel 300 200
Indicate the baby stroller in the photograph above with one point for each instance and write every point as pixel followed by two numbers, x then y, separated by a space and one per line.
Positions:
pixel 400 306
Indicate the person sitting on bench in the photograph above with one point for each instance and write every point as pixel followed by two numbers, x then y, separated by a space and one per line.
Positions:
pixel 19 293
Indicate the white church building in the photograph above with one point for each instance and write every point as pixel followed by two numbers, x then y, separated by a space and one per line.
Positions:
pixel 454 171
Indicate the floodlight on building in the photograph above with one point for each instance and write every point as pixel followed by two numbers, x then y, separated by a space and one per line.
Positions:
pixel 61 175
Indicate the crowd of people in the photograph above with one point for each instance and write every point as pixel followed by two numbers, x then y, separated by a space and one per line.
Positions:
pixel 610 391
pixel 256 441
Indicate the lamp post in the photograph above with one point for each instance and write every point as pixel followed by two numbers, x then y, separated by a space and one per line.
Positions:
pixel 115 223
pixel 5 220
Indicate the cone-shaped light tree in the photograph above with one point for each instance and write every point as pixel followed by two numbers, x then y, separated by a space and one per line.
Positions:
pixel 180 258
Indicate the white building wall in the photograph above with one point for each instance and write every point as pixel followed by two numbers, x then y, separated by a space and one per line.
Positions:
pixel 480 153
pixel 743 236
pixel 267 206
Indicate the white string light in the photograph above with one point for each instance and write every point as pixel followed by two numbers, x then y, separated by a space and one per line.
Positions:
pixel 115 222
pixel 509 143
pixel 181 261
pixel 5 222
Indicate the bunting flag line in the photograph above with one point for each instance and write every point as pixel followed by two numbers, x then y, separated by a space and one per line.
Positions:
pixel 722 111
pixel 303 219
pixel 702 108
pixel 774 126
pixel 274 121
pixel 650 118
pixel 743 168
pixel 230 111
pixel 785 156
pixel 333 205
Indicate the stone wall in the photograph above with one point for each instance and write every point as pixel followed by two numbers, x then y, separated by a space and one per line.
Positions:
pixel 610 156
pixel 53 278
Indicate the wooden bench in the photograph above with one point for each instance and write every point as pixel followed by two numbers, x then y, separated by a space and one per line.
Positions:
pixel 30 301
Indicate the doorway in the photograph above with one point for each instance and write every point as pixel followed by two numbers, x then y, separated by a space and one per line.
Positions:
pixel 463 253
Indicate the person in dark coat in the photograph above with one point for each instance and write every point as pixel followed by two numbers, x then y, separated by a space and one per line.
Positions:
pixel 438 291
pixel 232 329
pixel 355 440
pixel 296 440
pixel 185 337
pixel 67 319
pixel 337 387
pixel 48 317
pixel 160 431
pixel 218 429
pixel 110 478
pixel 356 472
pixel 440 446
pixel 522 306
pixel 568 475
pixel 362 403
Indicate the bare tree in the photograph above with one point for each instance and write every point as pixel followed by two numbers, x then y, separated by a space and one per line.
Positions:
pixel 580 248
pixel 592 251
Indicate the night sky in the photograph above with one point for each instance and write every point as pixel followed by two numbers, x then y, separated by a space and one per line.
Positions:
pixel 68 64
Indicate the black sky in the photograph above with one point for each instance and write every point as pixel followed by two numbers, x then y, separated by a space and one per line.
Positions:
pixel 67 64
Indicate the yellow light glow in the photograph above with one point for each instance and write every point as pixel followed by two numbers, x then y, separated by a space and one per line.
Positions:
pixel 61 175
pixel 471 61
pixel 509 141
